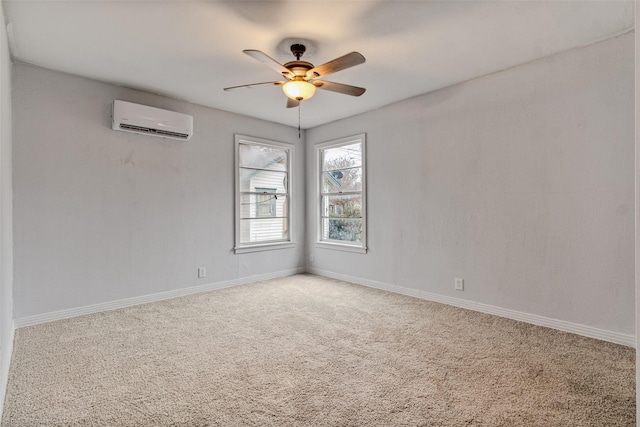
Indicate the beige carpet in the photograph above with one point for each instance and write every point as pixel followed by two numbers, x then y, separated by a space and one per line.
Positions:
pixel 310 351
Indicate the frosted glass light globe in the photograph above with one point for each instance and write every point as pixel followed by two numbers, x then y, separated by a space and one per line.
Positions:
pixel 299 89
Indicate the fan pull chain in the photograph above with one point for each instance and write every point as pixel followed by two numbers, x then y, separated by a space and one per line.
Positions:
pixel 299 103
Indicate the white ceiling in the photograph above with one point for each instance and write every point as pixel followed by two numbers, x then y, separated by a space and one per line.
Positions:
pixel 190 50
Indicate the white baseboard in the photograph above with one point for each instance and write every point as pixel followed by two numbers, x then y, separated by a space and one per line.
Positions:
pixel 143 299
pixel 575 328
pixel 4 369
pixel 587 331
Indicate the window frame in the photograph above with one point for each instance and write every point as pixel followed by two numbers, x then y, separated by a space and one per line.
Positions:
pixel 334 244
pixel 240 247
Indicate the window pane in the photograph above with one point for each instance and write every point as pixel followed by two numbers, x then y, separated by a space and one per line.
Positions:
pixel 263 230
pixel 342 206
pixel 343 229
pixel 342 180
pixel 262 206
pixel 345 156
pixel 261 157
pixel 252 179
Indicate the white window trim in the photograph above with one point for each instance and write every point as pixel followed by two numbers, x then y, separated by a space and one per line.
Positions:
pixel 335 245
pixel 263 246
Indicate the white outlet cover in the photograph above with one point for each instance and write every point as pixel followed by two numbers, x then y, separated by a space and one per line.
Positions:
pixel 202 272
pixel 459 284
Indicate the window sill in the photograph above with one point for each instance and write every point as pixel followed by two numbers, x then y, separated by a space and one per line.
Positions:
pixel 341 247
pixel 264 247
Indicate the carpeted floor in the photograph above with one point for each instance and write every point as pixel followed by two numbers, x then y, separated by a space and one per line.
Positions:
pixel 310 351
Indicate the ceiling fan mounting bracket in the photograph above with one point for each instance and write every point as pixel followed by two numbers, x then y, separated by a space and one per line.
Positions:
pixel 298 50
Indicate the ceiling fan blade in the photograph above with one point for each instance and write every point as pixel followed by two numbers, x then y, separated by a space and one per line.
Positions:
pixel 292 103
pixel 252 85
pixel 269 62
pixel 338 64
pixel 339 87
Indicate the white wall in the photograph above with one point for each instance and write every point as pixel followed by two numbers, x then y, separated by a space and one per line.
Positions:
pixel 521 182
pixel 103 215
pixel 6 240
pixel 637 204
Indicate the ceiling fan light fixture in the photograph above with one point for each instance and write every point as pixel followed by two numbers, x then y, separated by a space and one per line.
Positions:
pixel 299 89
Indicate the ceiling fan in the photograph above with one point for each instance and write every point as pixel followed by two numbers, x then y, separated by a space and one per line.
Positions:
pixel 301 76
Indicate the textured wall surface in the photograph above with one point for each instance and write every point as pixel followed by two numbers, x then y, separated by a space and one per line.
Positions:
pixel 637 205
pixel 6 232
pixel 102 215
pixel 521 182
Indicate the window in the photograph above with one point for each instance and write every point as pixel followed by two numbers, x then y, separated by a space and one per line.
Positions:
pixel 265 202
pixel 263 189
pixel 341 194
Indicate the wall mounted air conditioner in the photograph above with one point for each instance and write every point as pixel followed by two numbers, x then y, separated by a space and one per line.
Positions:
pixel 136 118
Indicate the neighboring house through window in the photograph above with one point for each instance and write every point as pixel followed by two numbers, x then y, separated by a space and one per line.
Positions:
pixel 266 202
pixel 263 192
pixel 342 194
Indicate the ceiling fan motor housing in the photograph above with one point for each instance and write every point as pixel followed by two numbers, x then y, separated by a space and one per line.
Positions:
pixel 299 68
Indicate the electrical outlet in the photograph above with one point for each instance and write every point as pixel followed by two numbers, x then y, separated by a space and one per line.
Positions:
pixel 311 258
pixel 202 272
pixel 459 284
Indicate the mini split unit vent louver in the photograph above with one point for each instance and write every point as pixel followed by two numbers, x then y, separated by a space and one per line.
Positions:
pixel 130 117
